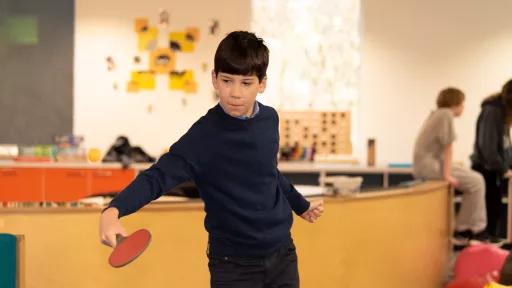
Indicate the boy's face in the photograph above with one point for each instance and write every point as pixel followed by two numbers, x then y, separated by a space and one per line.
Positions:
pixel 457 110
pixel 237 93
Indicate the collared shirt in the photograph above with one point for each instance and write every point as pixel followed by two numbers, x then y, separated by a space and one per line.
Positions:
pixel 255 111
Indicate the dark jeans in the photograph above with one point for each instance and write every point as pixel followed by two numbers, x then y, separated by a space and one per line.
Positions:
pixel 278 270
pixel 495 187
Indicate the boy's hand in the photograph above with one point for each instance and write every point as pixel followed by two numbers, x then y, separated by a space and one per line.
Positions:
pixel 316 208
pixel 453 182
pixel 110 226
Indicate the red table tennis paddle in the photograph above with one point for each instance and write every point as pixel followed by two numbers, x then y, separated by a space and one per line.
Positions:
pixel 129 248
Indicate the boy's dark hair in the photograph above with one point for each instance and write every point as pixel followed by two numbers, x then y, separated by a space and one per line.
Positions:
pixel 450 97
pixel 242 53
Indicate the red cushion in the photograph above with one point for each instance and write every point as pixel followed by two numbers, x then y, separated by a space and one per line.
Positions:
pixel 478 260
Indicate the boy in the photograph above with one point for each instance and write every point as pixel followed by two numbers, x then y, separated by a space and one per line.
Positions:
pixel 433 160
pixel 231 154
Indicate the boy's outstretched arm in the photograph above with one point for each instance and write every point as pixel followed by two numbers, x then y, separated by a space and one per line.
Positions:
pixel 170 171
pixel 308 211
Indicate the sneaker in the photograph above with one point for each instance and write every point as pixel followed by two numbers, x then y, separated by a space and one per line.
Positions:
pixel 461 238
pixel 482 236
pixel 499 242
pixel 485 237
pixel 507 246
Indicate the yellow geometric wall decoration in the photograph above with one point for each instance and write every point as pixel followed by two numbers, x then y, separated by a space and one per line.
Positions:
pixel 132 86
pixel 147 39
pixel 162 60
pixel 141 25
pixel 145 80
pixel 184 41
pixel 183 80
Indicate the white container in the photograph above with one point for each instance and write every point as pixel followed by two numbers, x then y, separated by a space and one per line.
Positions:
pixel 342 185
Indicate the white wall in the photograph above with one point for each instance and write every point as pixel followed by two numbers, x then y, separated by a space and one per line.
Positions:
pixel 413 49
pixel 106 28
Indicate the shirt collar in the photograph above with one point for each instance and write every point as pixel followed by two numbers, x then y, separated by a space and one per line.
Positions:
pixel 255 111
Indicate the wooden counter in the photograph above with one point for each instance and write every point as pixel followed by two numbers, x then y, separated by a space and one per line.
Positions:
pixel 391 238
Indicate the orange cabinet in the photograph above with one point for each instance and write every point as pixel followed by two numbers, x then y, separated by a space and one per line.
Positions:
pixel 105 181
pixel 65 184
pixel 60 184
pixel 21 184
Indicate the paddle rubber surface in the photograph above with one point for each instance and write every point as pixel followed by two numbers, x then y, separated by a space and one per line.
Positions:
pixel 129 248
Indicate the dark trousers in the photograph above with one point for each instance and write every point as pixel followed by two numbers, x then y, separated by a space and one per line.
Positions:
pixel 278 270
pixel 495 187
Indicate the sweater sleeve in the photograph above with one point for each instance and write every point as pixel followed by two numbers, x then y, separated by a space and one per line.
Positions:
pixel 488 140
pixel 298 203
pixel 170 171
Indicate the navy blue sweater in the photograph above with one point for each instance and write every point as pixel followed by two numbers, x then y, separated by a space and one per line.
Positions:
pixel 233 162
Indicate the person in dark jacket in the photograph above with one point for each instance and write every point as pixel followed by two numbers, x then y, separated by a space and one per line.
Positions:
pixel 492 155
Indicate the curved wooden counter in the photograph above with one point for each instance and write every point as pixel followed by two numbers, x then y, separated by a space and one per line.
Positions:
pixel 392 238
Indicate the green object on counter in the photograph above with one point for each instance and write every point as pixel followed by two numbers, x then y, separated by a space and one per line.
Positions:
pixel 39 151
pixel 400 165
pixel 8 261
pixel 44 150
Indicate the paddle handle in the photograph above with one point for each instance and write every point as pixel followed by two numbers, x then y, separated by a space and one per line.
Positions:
pixel 119 238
